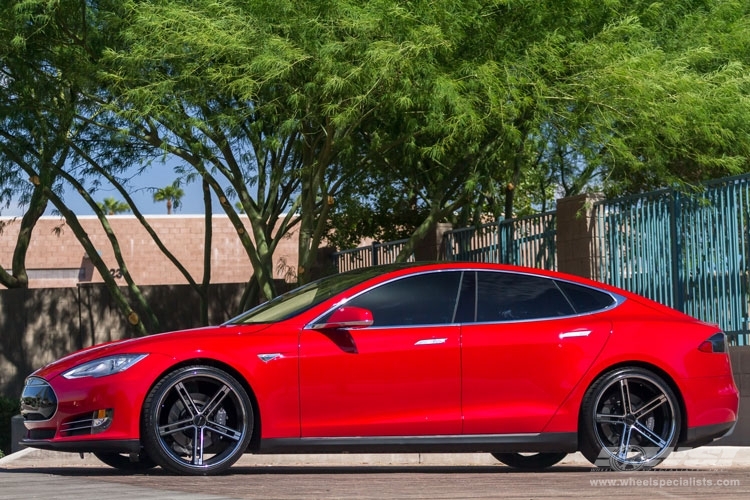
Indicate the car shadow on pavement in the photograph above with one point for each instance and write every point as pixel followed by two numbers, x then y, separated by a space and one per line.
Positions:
pixel 294 470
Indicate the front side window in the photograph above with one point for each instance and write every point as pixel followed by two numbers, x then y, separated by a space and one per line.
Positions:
pixel 423 299
pixel 301 299
pixel 503 296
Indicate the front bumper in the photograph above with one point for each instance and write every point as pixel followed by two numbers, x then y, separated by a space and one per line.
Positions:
pixel 100 446
pixel 86 414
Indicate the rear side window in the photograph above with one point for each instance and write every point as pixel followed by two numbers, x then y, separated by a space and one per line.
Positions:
pixel 512 297
pixel 424 299
pixel 585 299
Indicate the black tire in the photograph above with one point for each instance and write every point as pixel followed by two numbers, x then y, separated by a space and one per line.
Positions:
pixel 122 461
pixel 630 420
pixel 197 420
pixel 531 461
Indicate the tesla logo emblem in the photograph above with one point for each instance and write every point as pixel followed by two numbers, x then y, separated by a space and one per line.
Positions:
pixel 269 357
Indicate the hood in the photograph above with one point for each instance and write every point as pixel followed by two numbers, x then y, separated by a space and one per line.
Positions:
pixel 162 343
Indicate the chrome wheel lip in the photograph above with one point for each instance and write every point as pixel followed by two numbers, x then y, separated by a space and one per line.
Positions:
pixel 626 455
pixel 199 422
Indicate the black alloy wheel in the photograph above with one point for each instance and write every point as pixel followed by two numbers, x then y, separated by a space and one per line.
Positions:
pixel 197 420
pixel 630 420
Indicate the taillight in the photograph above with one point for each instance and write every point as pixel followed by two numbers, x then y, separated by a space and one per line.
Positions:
pixel 715 343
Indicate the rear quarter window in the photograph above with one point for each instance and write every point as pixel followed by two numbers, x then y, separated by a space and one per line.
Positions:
pixel 585 299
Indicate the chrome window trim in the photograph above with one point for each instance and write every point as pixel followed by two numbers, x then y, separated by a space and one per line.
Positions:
pixel 617 299
pixel 309 325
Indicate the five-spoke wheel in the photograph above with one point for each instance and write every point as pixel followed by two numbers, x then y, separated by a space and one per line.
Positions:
pixel 197 420
pixel 630 420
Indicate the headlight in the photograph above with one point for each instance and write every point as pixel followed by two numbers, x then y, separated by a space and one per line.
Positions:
pixel 104 366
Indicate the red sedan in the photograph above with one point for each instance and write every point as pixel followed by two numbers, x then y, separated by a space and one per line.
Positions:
pixel 453 357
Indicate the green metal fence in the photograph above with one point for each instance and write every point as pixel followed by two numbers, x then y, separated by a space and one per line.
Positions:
pixel 689 251
pixel 526 241
pixel 371 255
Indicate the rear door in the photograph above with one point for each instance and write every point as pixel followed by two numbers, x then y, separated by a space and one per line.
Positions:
pixel 523 351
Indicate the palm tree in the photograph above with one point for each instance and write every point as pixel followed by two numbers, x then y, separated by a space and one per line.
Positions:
pixel 111 206
pixel 171 194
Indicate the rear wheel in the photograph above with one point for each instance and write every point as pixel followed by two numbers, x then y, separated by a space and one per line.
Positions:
pixel 124 462
pixel 630 420
pixel 529 461
pixel 197 420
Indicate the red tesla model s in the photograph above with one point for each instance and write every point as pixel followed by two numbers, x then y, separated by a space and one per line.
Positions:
pixel 524 364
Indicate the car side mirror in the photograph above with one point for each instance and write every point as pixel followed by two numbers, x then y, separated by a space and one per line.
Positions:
pixel 347 317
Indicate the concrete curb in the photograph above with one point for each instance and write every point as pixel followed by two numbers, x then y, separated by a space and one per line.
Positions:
pixel 715 457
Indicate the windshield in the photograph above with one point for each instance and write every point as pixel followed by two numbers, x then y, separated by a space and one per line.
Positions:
pixel 303 298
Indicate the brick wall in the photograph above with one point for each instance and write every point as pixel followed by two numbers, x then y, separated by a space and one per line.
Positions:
pixel 56 259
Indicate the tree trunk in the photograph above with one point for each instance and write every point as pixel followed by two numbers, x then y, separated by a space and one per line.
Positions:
pixel 120 300
pixel 19 278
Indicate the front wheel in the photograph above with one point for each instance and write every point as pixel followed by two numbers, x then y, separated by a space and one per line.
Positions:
pixel 529 461
pixel 630 420
pixel 197 420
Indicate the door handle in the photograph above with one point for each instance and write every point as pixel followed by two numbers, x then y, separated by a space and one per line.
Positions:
pixel 430 341
pixel 575 333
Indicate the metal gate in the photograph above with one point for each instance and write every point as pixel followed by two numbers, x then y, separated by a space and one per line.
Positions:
pixel 689 251
pixel 526 241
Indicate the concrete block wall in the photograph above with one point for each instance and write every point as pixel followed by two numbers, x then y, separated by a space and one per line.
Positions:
pixel 740 356
pixel 575 235
pixel 38 326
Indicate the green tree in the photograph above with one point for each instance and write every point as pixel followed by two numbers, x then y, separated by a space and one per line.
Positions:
pixel 172 194
pixel 380 117
pixel 630 96
pixel 32 141
pixel 48 70
pixel 112 206
pixel 260 96
pixel 557 97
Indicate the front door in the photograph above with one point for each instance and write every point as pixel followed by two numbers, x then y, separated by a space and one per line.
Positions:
pixel 399 377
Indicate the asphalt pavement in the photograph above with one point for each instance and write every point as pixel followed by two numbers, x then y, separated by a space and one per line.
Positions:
pixel 36 474
pixel 705 456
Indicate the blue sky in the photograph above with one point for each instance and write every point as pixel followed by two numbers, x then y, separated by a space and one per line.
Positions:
pixel 141 191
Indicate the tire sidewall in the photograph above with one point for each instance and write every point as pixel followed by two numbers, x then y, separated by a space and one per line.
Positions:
pixel 153 443
pixel 590 445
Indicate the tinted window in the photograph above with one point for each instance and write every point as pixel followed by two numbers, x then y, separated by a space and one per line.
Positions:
pixel 301 299
pixel 424 299
pixel 585 299
pixel 512 297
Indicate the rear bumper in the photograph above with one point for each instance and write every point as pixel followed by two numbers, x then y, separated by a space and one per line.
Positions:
pixel 699 436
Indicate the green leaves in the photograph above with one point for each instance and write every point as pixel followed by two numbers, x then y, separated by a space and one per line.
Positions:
pixel 415 111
